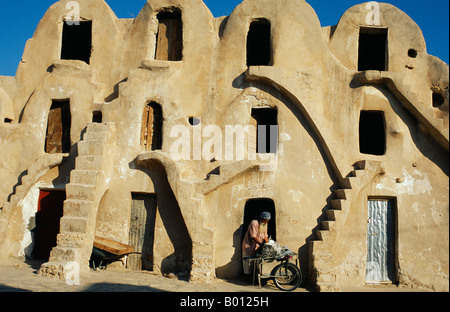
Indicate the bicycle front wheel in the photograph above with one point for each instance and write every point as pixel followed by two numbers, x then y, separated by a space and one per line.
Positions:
pixel 287 276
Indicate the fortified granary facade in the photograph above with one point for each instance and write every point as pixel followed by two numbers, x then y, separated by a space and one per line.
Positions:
pixel 149 132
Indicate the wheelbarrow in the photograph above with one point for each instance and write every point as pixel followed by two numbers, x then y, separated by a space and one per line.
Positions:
pixel 106 251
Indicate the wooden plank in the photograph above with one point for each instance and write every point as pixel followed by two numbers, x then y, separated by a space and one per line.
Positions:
pixel 144 128
pixel 149 128
pixel 111 246
pixel 162 45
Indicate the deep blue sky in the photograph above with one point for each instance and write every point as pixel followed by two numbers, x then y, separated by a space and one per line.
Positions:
pixel 18 20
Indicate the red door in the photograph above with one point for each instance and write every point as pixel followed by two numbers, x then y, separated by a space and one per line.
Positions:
pixel 50 211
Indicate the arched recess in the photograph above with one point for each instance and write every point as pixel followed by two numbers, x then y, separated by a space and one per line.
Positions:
pixel 21 210
pixel 173 222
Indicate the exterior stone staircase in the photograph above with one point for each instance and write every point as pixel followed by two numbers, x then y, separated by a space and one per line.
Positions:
pixel 36 171
pixel 426 114
pixel 88 182
pixel 321 259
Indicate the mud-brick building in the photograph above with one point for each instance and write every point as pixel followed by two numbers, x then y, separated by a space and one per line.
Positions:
pixel 358 178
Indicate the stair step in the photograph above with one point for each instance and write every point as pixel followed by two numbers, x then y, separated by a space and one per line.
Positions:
pixel 96 136
pixel 340 194
pixel 89 162
pixel 88 177
pixel 78 208
pixel 81 191
pixel 94 147
pixel 322 234
pixel 338 204
pixel 74 225
pixel 332 214
pixel 71 239
pixel 326 225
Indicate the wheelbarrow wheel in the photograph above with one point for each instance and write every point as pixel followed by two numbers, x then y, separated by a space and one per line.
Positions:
pixel 287 276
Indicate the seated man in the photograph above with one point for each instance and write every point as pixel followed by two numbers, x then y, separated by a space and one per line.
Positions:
pixel 255 236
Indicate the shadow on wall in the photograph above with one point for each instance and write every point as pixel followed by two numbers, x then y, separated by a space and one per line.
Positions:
pixel 233 268
pixel 169 210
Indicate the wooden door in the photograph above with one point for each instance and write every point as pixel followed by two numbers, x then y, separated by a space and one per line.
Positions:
pixel 57 138
pixel 50 211
pixel 151 130
pixel 169 45
pixel 142 229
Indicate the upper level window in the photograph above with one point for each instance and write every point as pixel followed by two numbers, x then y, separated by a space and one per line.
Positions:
pixel 169 40
pixel 77 41
pixel 373 49
pixel 259 44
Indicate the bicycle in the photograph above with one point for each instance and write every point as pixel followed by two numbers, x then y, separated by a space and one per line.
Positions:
pixel 286 275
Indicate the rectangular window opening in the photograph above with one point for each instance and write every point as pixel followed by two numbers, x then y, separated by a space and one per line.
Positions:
pixel 97 117
pixel 259 44
pixel 169 40
pixel 77 41
pixel 372 133
pixel 373 49
pixel 267 133
pixel 57 138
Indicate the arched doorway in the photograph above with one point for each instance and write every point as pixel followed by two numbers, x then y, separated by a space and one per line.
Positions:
pixel 252 210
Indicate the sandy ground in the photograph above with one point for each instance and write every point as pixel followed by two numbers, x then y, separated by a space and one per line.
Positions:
pixel 18 276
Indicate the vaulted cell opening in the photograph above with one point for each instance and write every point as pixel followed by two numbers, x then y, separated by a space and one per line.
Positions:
pixel 253 209
pixel 152 123
pixel 373 49
pixel 259 44
pixel 77 41
pixel 57 139
pixel 169 39
pixel 47 222
pixel 267 129
pixel 372 133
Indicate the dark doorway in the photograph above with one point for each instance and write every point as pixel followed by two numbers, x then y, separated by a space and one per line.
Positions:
pixel 252 211
pixel 77 41
pixel 142 231
pixel 259 43
pixel 372 133
pixel 267 133
pixel 169 40
pixel 373 49
pixel 151 131
pixel 49 213
pixel 57 138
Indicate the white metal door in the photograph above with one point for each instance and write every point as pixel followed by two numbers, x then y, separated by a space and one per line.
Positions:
pixel 380 242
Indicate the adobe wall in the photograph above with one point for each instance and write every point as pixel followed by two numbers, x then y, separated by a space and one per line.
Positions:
pixel 314 84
